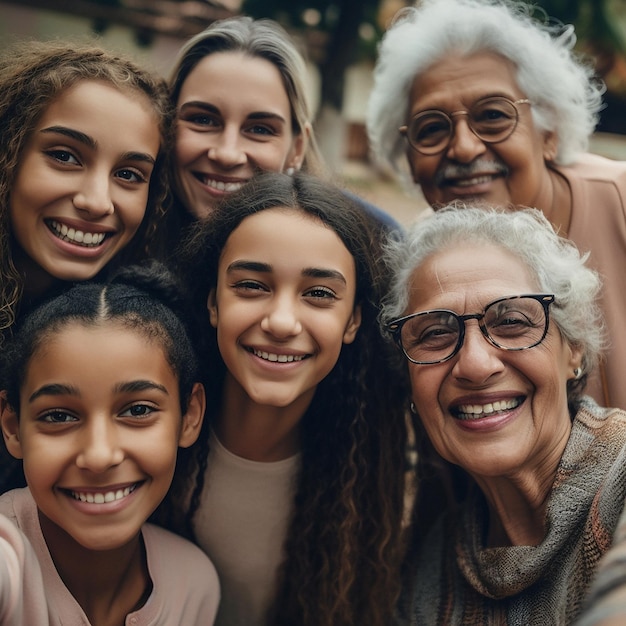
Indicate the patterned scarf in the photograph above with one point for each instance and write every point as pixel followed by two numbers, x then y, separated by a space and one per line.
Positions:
pixel 459 581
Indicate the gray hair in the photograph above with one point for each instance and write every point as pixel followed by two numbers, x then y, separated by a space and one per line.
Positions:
pixel 566 97
pixel 553 261
pixel 261 38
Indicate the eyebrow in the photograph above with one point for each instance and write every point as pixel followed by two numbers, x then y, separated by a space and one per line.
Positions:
pixel 72 134
pixel 88 141
pixel 59 389
pixel 211 108
pixel 266 268
pixel 140 385
pixel 56 389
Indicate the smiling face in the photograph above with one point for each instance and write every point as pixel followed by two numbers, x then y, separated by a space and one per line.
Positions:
pixel 512 171
pixel 81 187
pixel 284 305
pixel 530 427
pixel 99 441
pixel 234 120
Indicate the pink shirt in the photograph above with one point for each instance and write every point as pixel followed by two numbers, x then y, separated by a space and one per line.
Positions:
pixel 185 585
pixel 22 601
pixel 598 226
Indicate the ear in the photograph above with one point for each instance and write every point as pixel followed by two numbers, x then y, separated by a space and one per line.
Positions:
pixel 212 308
pixel 300 145
pixel 353 326
pixel 550 146
pixel 574 360
pixel 10 427
pixel 193 418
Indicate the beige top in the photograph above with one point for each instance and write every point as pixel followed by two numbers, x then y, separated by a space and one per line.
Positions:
pixel 241 523
pixel 598 226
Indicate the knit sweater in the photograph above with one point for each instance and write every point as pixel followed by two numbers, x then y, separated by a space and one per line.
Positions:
pixel 458 580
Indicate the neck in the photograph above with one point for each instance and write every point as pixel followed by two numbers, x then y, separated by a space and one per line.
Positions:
pixel 517 503
pixel 555 201
pixel 108 584
pixel 259 432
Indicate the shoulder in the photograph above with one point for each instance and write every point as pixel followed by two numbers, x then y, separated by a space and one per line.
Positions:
pixel 604 428
pixel 167 549
pixel 597 448
pixel 597 418
pixel 595 168
pixel 22 594
pixel 17 504
pixel 186 587
pixel 379 216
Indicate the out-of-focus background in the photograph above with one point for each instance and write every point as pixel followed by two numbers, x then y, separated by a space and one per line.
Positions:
pixel 339 40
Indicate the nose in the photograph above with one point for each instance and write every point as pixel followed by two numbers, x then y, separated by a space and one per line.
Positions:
pixel 477 360
pixel 281 319
pixel 226 149
pixel 464 145
pixel 94 196
pixel 100 447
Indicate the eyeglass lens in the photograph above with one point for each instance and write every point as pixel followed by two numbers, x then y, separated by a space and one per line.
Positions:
pixel 491 119
pixel 511 324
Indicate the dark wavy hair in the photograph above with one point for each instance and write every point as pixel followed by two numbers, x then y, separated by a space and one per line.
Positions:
pixel 32 75
pixel 344 539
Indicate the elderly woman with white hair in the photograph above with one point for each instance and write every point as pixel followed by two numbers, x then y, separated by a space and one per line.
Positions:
pixel 486 103
pixel 497 317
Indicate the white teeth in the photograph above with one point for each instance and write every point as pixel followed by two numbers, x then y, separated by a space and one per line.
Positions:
pixel 88 240
pixel 469 182
pixel 280 358
pixel 221 186
pixel 476 411
pixel 101 498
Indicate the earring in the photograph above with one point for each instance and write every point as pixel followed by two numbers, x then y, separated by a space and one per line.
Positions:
pixel 577 373
pixel 290 171
pixel 413 408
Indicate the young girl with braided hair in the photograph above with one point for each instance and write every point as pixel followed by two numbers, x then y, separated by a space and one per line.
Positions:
pixel 100 393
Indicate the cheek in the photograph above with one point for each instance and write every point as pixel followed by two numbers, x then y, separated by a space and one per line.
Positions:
pixel 42 463
pixel 423 171
pixel 23 201
pixel 425 385
pixel 132 214
pixel 157 454
pixel 185 147
pixel 271 158
pixel 524 160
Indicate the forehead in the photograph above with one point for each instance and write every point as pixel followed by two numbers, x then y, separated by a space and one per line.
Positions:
pixel 290 237
pixel 218 73
pixel 96 108
pixel 68 352
pixel 467 276
pixel 98 95
pixel 458 80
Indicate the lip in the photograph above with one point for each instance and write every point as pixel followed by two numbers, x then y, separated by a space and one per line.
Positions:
pixel 476 184
pixel 101 500
pixel 66 234
pixel 486 412
pixel 274 356
pixel 218 185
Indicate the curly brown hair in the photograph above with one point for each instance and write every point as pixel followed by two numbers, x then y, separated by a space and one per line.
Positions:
pixel 344 543
pixel 32 75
